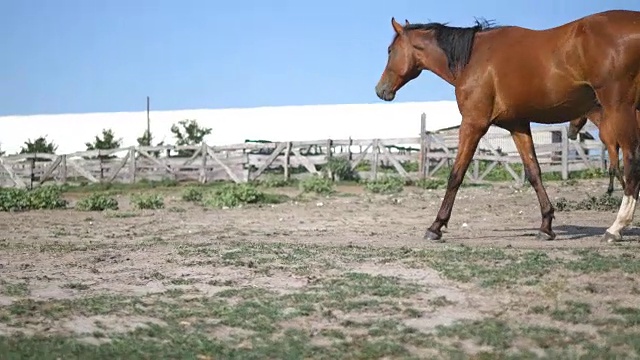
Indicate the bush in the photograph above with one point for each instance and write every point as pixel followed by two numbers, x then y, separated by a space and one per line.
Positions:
pixel 44 197
pixel 340 167
pixel 97 202
pixel 193 194
pixel 431 184
pixel 275 182
pixel 317 184
pixel 385 185
pixel 233 195
pixel 147 201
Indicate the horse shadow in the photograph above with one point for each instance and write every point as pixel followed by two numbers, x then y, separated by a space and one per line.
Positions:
pixel 577 232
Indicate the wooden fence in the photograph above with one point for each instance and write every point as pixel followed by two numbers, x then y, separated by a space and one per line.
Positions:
pixel 250 161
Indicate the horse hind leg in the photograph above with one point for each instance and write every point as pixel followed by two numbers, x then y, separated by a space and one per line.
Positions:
pixel 621 120
pixel 575 126
pixel 614 168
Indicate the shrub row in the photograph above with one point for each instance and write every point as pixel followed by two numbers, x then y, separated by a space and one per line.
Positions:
pixel 50 197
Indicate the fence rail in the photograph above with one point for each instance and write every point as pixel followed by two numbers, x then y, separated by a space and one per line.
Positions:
pixel 250 161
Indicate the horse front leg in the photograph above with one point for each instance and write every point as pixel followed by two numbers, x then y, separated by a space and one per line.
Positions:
pixel 524 143
pixel 468 138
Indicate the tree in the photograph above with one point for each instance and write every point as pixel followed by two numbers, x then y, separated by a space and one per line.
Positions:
pixel 191 134
pixel 107 142
pixel 145 140
pixel 39 146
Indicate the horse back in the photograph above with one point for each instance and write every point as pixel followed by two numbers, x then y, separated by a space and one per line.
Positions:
pixel 549 75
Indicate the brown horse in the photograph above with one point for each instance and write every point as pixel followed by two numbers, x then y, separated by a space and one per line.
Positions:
pixel 595 116
pixel 511 76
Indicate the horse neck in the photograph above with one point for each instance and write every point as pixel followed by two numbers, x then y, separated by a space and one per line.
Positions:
pixel 432 58
pixel 436 62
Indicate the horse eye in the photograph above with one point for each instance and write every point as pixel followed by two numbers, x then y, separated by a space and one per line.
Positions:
pixel 389 50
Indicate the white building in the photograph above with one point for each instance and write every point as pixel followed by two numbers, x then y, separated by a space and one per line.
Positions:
pixel 284 123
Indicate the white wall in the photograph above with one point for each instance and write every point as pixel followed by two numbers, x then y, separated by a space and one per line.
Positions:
pixel 287 123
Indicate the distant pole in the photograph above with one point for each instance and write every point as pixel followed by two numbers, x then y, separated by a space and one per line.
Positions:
pixel 148 120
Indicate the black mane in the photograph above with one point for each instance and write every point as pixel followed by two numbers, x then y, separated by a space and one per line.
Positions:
pixel 455 42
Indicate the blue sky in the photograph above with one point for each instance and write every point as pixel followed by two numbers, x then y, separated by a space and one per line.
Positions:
pixel 72 56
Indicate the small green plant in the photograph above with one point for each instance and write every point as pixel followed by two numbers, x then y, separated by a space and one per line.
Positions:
pixel 233 195
pixel 193 194
pixel 340 169
pixel 317 184
pixel 385 185
pixel 275 182
pixel 44 197
pixel 431 184
pixel 97 202
pixel 147 201
pixel 603 203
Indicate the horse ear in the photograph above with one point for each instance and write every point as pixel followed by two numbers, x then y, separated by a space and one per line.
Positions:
pixel 396 26
pixel 406 22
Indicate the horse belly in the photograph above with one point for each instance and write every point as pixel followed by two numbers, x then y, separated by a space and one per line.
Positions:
pixel 556 105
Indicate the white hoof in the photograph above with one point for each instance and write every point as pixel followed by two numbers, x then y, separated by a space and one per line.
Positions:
pixel 611 238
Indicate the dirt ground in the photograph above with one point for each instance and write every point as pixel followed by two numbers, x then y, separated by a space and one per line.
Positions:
pixel 343 276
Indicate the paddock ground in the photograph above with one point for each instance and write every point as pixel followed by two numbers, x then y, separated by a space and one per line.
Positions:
pixel 346 276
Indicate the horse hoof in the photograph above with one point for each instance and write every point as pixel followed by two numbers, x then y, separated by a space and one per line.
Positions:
pixel 611 238
pixel 545 237
pixel 430 235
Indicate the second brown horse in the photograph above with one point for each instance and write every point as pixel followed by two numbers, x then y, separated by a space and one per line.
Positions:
pixel 595 116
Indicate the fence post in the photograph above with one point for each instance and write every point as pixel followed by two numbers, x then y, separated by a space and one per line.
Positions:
pixel 374 162
pixel 328 158
pixel 203 165
pixel 132 164
pixel 565 153
pixel 423 147
pixel 287 161
pixel 63 169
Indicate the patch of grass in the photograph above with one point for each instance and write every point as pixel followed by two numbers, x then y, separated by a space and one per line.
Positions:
pixel 317 184
pixel 592 261
pixel 490 267
pixel 97 202
pixel 440 301
pixel 193 194
pixel 341 170
pixel 631 315
pixel 489 332
pixel 603 202
pixel 14 289
pixel 573 312
pixel 385 185
pixel 121 214
pixel 76 286
pixel 234 195
pixel 276 182
pixel 41 198
pixel 116 187
pixel 431 183
pixel 355 284
pixel 151 201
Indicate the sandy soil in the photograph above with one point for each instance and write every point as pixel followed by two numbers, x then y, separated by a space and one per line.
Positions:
pixel 70 254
